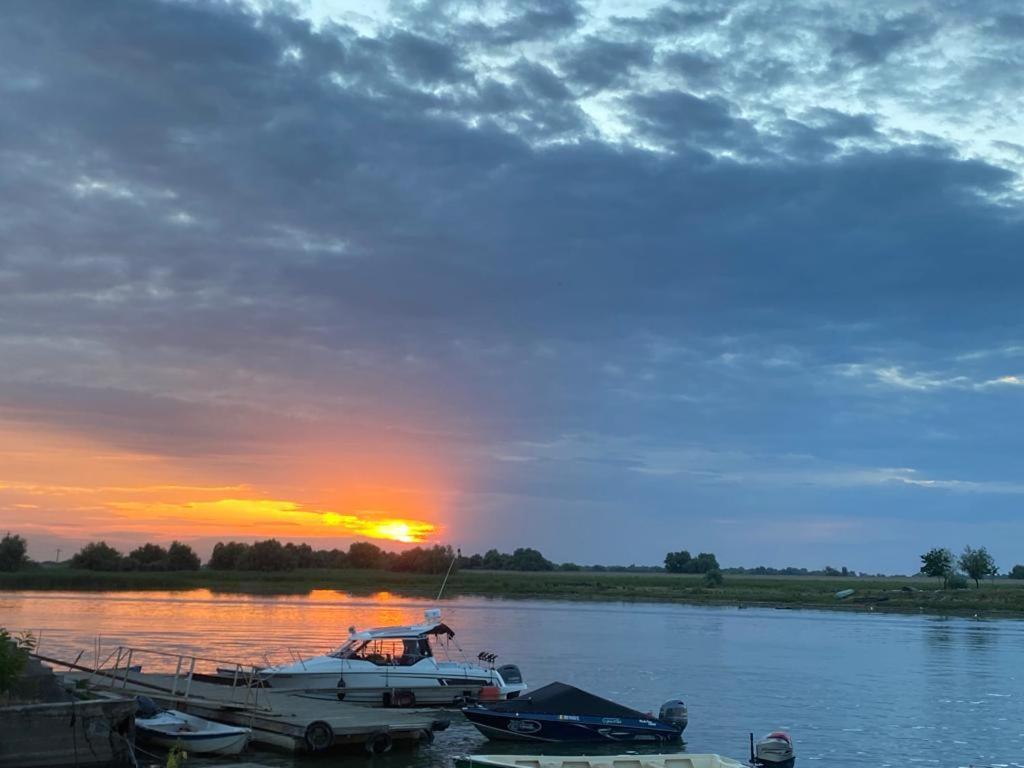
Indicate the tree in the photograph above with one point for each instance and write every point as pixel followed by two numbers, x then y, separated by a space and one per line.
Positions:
pixel 682 562
pixel 181 557
pixel 269 555
pixel 302 554
pixel 434 559
pixel 363 554
pixel 148 557
pixel 527 559
pixel 937 563
pixel 98 556
pixel 495 561
pixel 1017 572
pixel 677 562
pixel 977 563
pixel 228 557
pixel 12 552
pixel 704 563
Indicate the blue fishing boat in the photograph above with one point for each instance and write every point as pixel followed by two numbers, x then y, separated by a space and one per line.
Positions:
pixel 564 713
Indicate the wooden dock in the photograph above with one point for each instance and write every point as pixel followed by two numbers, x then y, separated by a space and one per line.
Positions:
pixel 284 720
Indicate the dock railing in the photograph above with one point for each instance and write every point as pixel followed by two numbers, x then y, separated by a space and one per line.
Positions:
pixel 122 668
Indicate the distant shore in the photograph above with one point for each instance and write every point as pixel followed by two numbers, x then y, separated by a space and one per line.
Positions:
pixel 892 594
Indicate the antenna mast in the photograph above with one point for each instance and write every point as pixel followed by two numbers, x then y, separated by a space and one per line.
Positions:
pixel 458 554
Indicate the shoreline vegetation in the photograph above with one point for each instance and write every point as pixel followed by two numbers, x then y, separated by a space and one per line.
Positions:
pixel 271 568
pixel 900 594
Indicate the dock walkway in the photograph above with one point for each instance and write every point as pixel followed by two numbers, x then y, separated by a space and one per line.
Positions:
pixel 286 720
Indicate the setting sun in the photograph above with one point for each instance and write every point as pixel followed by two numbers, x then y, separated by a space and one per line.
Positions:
pixel 405 531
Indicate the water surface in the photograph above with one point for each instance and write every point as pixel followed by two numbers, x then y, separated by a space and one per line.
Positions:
pixel 854 689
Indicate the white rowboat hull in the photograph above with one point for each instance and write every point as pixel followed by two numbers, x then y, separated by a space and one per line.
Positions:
pixel 193 734
pixel 598 761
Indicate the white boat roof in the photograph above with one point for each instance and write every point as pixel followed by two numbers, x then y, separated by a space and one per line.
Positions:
pixel 414 630
pixel 432 626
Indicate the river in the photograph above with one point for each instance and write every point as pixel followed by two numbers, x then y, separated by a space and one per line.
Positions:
pixel 854 689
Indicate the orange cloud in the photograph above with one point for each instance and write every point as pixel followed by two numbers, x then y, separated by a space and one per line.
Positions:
pixel 57 488
pixel 228 516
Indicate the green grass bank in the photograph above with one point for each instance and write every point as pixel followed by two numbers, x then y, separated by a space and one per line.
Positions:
pixel 1002 597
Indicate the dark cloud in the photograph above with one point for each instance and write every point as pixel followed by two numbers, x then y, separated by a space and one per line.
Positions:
pixel 422 60
pixel 698 68
pixel 889 36
pixel 529 21
pixel 667 20
pixel 1009 25
pixel 680 118
pixel 597 63
pixel 217 227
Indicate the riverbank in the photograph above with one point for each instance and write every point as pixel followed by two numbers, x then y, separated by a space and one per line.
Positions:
pixel 1003 597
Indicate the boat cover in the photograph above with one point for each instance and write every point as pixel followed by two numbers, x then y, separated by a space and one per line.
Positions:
pixel 562 699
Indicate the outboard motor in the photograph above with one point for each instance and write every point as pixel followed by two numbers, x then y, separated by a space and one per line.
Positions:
pixel 146 707
pixel 510 674
pixel 774 751
pixel 674 712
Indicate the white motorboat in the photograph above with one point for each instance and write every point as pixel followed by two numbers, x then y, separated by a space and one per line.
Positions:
pixel 398 666
pixel 172 728
pixel 679 760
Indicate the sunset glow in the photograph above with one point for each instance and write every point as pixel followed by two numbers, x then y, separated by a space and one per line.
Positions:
pixel 406 531
pixel 61 491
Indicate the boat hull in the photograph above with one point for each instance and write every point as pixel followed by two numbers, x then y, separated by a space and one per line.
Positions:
pixel 205 744
pixel 192 734
pixel 386 686
pixel 536 726
pixel 676 760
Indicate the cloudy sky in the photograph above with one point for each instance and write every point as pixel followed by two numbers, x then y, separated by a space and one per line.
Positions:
pixel 607 279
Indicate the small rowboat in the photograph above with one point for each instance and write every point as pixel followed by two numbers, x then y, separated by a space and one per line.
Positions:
pixel 193 734
pixel 597 761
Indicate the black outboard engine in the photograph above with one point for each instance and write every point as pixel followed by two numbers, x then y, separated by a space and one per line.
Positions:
pixel 146 707
pixel 510 674
pixel 773 751
pixel 674 712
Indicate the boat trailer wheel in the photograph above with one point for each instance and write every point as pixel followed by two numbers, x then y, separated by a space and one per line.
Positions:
pixel 426 736
pixel 319 736
pixel 379 743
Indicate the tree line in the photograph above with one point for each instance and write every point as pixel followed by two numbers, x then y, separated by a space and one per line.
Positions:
pixel 975 564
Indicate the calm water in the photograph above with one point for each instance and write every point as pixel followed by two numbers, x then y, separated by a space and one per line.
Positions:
pixel 853 689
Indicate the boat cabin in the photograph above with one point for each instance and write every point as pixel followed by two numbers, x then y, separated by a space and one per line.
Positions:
pixel 393 646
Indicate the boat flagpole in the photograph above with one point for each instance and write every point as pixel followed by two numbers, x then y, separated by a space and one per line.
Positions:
pixel 458 554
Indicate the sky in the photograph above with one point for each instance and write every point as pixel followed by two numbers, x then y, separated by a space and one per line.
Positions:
pixel 604 279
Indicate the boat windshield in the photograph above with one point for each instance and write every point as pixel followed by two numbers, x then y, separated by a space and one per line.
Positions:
pixel 386 651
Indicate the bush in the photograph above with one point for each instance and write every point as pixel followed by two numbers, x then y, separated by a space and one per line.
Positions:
pixel 1017 572
pixel 957 581
pixel 713 578
pixel 13 657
